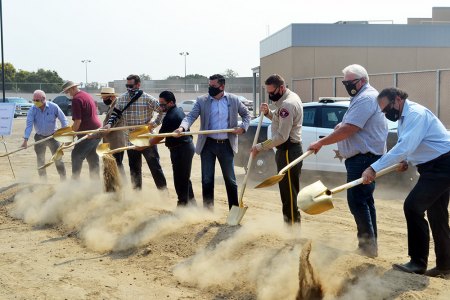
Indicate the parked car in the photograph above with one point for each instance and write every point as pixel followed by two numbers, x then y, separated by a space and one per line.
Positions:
pixel 64 103
pixel 319 120
pixel 187 105
pixel 22 105
pixel 246 102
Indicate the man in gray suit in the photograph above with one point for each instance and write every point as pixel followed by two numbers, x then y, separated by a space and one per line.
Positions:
pixel 217 110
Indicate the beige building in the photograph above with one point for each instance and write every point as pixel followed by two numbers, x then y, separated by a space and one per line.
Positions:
pixel 311 51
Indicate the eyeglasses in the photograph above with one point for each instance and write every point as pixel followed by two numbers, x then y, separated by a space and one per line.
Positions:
pixel 348 82
pixel 129 86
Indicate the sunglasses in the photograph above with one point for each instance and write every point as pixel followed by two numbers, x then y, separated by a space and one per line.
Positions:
pixel 129 86
pixel 348 82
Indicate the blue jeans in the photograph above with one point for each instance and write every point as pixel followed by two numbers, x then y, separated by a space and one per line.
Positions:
pixel 361 203
pixel 224 154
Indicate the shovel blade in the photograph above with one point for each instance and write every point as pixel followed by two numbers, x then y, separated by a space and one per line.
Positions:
pixel 62 136
pixel 139 141
pixel 102 149
pixel 235 215
pixel 320 204
pixel 270 181
pixel 307 197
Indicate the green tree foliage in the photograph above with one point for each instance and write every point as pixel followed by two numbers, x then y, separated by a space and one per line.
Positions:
pixel 145 76
pixel 230 74
pixel 26 81
pixel 172 77
pixel 196 76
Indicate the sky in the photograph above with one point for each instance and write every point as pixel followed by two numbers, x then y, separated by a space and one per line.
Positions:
pixel 146 36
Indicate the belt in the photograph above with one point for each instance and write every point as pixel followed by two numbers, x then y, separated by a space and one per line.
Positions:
pixel 368 154
pixel 217 141
pixel 287 144
pixel 435 159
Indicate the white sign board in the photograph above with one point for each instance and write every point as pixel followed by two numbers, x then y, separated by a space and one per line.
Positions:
pixel 6 117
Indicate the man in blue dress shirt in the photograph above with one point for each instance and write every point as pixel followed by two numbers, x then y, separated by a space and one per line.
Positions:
pixel 42 116
pixel 424 142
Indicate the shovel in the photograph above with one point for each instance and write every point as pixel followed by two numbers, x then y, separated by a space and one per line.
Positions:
pixel 23 148
pixel 66 135
pixel 143 139
pixel 59 152
pixel 104 149
pixel 237 212
pixel 316 198
pixel 277 178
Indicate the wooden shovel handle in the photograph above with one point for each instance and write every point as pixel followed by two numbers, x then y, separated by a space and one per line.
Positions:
pixel 360 180
pixel 32 144
pixel 250 160
pixel 295 161
pixel 103 130
pixel 121 149
pixel 170 134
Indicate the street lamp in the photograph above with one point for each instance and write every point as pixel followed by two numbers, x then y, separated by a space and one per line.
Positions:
pixel 184 54
pixel 86 61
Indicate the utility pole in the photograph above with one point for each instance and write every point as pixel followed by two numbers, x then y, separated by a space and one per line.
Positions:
pixel 184 54
pixel 86 61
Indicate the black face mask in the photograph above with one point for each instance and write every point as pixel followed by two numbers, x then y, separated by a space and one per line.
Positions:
pixel 275 97
pixel 392 114
pixel 107 101
pixel 214 91
pixel 131 89
pixel 351 89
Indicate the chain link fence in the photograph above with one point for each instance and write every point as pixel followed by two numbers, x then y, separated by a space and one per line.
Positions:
pixel 429 88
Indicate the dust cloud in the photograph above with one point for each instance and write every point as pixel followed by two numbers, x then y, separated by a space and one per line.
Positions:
pixel 104 221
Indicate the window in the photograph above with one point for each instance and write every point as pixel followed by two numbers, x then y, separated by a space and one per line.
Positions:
pixel 309 114
pixel 331 116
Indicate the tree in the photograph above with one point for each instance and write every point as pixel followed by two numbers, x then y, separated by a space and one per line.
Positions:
pixel 172 77
pixel 196 76
pixel 229 73
pixel 145 76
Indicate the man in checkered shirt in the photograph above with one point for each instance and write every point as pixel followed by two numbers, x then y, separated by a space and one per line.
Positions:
pixel 140 112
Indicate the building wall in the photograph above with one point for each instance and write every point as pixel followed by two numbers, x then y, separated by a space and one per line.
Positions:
pixel 308 62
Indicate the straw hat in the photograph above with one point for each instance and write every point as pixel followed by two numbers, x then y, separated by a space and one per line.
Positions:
pixel 67 85
pixel 107 91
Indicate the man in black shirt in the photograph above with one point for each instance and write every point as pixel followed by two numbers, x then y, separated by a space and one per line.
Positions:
pixel 181 149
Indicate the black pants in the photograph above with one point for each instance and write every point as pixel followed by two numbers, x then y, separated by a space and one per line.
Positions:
pixel 430 194
pixel 290 185
pixel 135 162
pixel 53 145
pixel 181 157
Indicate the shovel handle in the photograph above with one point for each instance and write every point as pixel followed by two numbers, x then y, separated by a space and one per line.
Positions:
pixel 121 149
pixel 32 144
pixel 360 180
pixel 173 134
pixel 295 161
pixel 103 130
pixel 250 160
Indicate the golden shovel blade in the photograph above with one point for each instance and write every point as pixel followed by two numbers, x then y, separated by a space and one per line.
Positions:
pixel 270 181
pixel 315 198
pixel 62 135
pixel 134 138
pixel 235 215
pixel 102 149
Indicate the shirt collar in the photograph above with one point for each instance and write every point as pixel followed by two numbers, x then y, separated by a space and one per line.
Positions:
pixel 364 87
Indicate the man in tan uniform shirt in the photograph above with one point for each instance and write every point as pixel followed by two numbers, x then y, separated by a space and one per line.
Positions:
pixel 287 121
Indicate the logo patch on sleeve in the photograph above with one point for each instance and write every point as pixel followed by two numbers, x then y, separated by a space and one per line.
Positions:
pixel 283 113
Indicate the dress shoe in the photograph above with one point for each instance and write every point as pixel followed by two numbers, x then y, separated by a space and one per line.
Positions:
pixel 435 272
pixel 410 267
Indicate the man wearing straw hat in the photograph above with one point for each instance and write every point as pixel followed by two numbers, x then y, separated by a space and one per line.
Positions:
pixel 43 116
pixel 116 139
pixel 84 116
